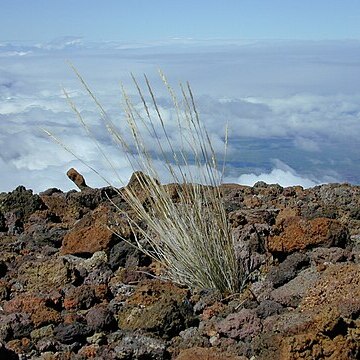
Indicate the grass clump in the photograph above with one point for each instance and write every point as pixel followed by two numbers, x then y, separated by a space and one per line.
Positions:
pixel 190 235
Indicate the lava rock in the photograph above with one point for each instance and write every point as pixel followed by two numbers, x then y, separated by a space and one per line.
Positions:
pixel 139 347
pixel 297 233
pixel 100 318
pixel 240 325
pixel 70 333
pixel 157 307
pixel 288 269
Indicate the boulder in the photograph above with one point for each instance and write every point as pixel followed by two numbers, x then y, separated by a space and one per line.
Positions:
pixel 38 308
pixel 158 307
pixel 241 325
pixel 92 233
pixel 297 233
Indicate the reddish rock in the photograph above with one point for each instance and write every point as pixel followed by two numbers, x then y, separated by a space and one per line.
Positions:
pixel 323 326
pixel 316 346
pixel 37 307
pixel 338 287
pixel 58 204
pixel 19 346
pixel 89 351
pixel 102 306
pixel 101 292
pixel 240 325
pixel 79 298
pixel 72 206
pixel 296 233
pixel 91 233
pixel 213 310
pixel 252 201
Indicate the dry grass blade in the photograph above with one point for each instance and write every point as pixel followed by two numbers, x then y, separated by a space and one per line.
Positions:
pixel 191 236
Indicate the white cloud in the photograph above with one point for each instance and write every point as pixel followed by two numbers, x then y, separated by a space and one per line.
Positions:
pixel 307 144
pixel 278 102
pixel 281 174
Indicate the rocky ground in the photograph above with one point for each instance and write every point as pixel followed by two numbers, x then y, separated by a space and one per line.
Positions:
pixel 70 289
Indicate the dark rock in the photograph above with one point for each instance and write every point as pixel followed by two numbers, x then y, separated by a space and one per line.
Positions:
pixel 293 291
pixel 4 290
pixel 40 233
pixel 355 213
pixel 21 200
pixel 7 354
pixel 260 184
pixel 50 192
pixel 139 183
pixel 288 269
pixel 5 326
pixel 70 333
pixel 266 346
pixel 124 254
pixel 267 308
pixel 207 298
pixel 188 338
pixel 88 198
pixel 3 227
pixel 300 250
pixel 14 222
pixel 328 255
pixel 21 326
pixel 101 275
pixel 3 268
pixel 100 318
pixel 47 345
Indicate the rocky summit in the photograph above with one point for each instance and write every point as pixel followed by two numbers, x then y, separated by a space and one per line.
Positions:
pixel 70 288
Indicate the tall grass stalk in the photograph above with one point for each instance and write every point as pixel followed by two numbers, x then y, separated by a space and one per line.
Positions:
pixel 189 236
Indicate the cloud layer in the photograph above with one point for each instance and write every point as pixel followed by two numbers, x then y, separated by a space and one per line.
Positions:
pixel 292 108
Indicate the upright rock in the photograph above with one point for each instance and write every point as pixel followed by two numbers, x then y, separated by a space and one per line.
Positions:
pixel 77 179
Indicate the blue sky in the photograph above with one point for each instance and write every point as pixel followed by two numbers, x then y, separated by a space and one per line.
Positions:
pixel 44 20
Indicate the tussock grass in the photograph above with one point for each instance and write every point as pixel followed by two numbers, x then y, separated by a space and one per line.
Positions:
pixel 191 236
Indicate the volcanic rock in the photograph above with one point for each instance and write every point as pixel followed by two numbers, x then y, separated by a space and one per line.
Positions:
pixel 72 289
pixel 157 307
pixel 77 178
